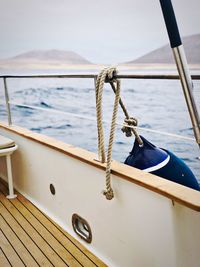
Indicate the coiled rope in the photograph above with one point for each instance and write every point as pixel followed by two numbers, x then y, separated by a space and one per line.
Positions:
pixel 107 75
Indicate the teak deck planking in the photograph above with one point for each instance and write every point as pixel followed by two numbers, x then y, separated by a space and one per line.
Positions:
pixel 30 238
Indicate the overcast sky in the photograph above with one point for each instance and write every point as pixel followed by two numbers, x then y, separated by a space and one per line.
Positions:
pixel 104 31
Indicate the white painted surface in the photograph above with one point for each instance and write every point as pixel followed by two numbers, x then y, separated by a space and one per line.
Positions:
pixel 8 152
pixel 158 166
pixel 137 228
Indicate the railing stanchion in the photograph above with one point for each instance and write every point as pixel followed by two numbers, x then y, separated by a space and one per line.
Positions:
pixel 182 65
pixel 7 102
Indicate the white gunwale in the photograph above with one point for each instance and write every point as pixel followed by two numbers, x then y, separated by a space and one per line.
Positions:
pixel 181 194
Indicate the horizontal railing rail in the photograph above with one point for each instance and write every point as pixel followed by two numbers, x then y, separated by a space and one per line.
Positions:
pixel 89 76
pixel 93 76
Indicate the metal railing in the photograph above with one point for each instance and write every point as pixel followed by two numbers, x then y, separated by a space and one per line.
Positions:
pixel 86 76
pixel 94 76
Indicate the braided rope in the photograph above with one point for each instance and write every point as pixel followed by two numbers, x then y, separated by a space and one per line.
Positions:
pixel 106 73
pixel 99 92
pixel 128 121
pixel 109 192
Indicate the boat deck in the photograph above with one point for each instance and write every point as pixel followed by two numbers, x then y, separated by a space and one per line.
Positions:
pixel 29 238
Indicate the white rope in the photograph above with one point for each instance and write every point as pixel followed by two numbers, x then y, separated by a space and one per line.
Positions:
pixel 167 134
pixel 91 118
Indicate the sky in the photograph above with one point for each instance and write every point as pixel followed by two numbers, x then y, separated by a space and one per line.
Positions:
pixel 105 31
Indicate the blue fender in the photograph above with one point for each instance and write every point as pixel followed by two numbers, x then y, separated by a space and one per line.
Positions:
pixel 162 163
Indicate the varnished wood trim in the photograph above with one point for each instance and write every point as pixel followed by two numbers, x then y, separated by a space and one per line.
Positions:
pixel 181 194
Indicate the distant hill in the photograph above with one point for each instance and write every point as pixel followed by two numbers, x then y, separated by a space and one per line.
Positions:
pixel 49 57
pixel 164 54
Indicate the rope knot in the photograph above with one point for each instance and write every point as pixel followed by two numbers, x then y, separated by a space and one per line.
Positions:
pixel 111 74
pixel 129 122
pixel 109 194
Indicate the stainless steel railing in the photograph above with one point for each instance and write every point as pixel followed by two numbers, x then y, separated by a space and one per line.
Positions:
pixel 196 127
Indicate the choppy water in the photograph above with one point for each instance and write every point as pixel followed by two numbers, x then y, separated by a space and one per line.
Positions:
pixel 157 104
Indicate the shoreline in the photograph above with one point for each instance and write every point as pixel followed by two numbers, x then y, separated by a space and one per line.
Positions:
pixel 60 68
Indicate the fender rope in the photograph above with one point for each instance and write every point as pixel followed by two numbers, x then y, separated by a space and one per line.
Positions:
pixel 107 75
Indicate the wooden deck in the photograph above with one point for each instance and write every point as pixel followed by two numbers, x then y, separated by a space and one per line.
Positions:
pixel 29 238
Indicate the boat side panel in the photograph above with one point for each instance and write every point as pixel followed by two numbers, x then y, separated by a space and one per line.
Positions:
pixel 137 228
pixel 176 192
pixel 187 236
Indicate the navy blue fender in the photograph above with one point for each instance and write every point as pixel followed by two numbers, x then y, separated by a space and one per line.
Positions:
pixel 162 163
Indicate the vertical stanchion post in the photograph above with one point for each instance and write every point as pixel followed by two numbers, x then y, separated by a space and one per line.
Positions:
pixel 10 178
pixel 181 63
pixel 7 101
pixel 99 154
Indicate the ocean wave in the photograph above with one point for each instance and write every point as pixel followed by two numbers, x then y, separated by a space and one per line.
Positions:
pixel 44 104
pixel 145 125
pixel 119 143
pixel 42 128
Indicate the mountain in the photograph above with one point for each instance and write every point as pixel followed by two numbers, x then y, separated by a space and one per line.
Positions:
pixel 164 54
pixel 48 57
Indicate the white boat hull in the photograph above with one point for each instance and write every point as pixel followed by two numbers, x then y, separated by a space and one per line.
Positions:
pixel 150 221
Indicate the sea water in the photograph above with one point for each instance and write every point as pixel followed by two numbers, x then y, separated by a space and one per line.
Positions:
pixel 157 105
